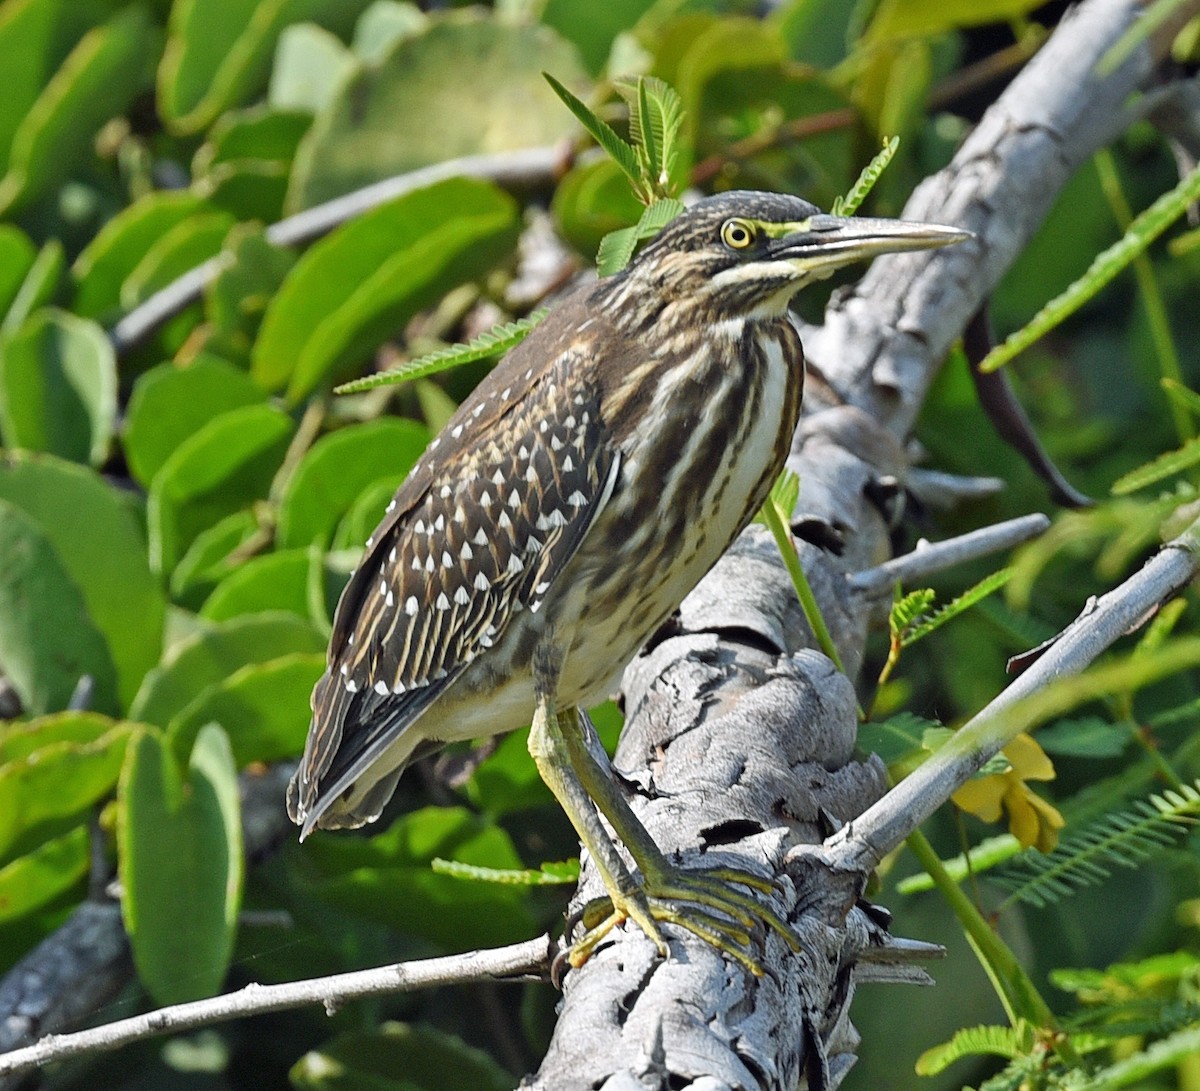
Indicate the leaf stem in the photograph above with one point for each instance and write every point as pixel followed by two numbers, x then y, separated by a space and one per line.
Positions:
pixel 808 603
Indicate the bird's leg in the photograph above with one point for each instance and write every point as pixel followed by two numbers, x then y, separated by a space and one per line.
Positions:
pixel 551 754
pixel 663 883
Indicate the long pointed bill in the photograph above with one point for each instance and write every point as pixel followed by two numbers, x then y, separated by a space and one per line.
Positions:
pixel 824 243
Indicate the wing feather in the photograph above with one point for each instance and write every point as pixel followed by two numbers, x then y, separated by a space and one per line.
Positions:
pixel 479 533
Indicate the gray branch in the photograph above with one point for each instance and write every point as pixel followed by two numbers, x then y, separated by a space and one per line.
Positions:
pixel 513 962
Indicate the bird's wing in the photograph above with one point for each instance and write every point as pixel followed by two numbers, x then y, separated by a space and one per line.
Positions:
pixel 479 536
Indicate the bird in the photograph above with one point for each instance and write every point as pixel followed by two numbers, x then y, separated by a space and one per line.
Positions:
pixel 561 516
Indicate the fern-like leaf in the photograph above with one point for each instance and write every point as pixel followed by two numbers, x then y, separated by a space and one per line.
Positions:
pixel 656 117
pixel 919 629
pixel 559 873
pixel 848 205
pixel 621 150
pixel 990 1041
pixel 1183 396
pixel 907 609
pixel 617 247
pixel 1122 839
pixel 1166 465
pixel 1142 232
pixel 493 342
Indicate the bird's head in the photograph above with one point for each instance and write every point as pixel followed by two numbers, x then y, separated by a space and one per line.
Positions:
pixel 745 254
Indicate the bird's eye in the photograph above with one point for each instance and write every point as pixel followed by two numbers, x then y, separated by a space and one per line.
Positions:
pixel 737 234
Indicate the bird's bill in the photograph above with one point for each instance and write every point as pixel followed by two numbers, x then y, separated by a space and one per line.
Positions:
pixel 824 243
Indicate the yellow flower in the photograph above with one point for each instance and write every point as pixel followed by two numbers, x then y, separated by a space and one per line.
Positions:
pixel 1031 820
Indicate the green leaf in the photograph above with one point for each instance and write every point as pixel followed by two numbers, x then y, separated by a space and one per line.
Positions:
pixel 896 737
pixel 388 878
pixel 383 24
pixel 365 513
pixel 336 470
pixel 493 342
pixel 1147 227
pixel 621 151
pixel 1165 465
pixel 214 555
pixel 43 875
pixel 43 658
pixel 985 1041
pixel 616 251
pixel 919 628
pixel 309 64
pixel 1086 737
pixel 103 550
pixel 909 609
pixel 1120 839
pixel 656 116
pixel 58 387
pixel 56 768
pixel 361 284
pixel 219 469
pixel 400 1057
pixel 177 251
pixel 179 837
pixel 39 286
pixel 413 108
pixel 865 182
pixel 213 655
pixel 236 299
pixel 120 245
pixel 264 706
pixel 96 82
pixel 593 27
pixel 170 403
pixel 274 581
pixel 219 52
pixel 560 874
pixel 17 255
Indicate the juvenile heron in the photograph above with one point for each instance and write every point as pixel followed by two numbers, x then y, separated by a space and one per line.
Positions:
pixel 563 513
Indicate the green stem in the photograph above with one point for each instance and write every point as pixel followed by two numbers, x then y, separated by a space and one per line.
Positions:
pixel 808 603
pixel 1152 300
pixel 1017 992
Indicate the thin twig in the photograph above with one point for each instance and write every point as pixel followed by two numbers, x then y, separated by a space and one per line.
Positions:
pixel 514 961
pixel 929 558
pixel 523 168
pixel 861 844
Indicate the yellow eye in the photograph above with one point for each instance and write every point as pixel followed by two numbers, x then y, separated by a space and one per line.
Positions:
pixel 738 234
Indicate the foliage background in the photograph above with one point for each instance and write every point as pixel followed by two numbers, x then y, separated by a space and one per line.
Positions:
pixel 176 521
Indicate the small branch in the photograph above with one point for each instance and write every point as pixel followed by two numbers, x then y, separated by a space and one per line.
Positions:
pixel 861 844
pixel 928 558
pixel 520 169
pixel 515 961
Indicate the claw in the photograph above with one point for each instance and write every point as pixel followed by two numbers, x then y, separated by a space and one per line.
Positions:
pixel 684 898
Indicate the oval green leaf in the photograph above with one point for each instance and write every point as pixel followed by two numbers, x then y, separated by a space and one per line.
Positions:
pixel 360 285
pixel 171 403
pixel 210 657
pixel 101 544
pixel 179 837
pixel 54 768
pixel 338 469
pixel 58 387
pixel 216 471
pixel 264 706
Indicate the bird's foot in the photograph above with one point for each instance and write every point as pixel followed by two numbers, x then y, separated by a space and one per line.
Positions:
pixel 688 898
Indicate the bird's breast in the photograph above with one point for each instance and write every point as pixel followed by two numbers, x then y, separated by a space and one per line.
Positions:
pixel 718 430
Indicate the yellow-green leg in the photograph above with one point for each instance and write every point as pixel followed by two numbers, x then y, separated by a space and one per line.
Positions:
pixel 663 883
pixel 551 753
pixel 585 791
